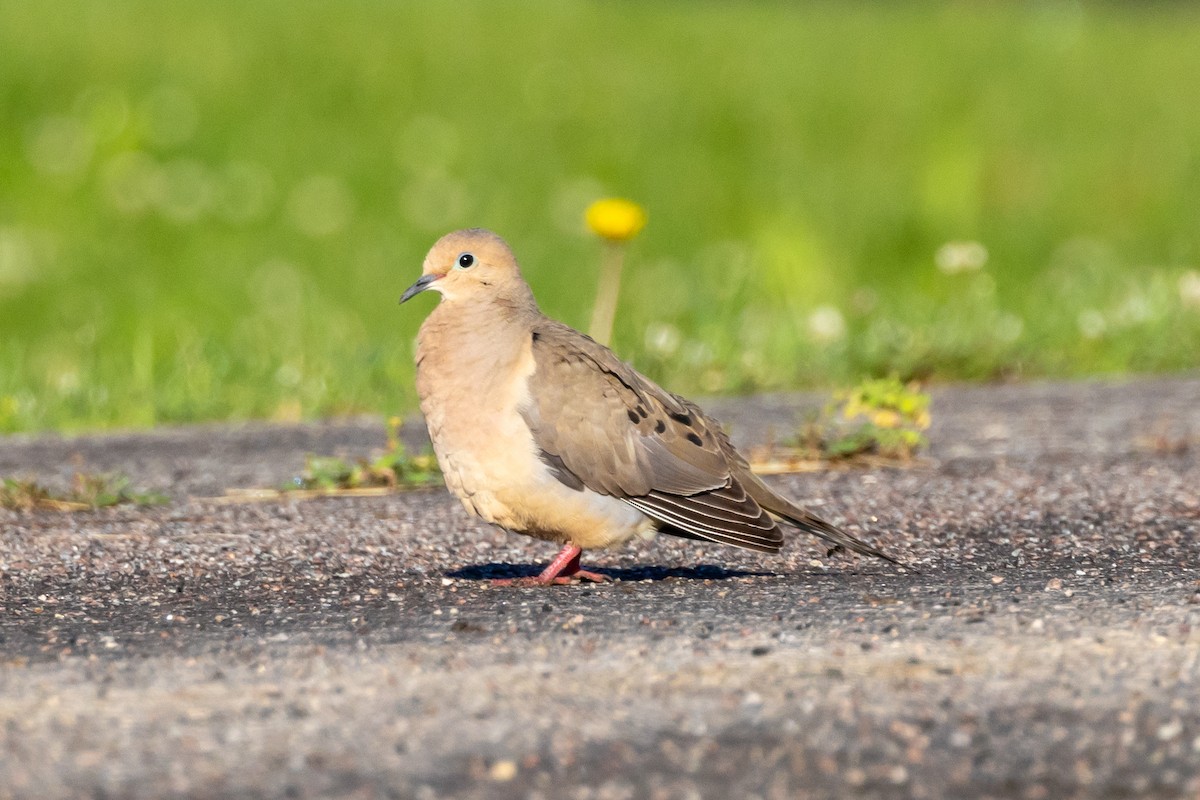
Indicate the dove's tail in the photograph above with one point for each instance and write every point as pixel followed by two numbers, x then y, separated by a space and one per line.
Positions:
pixel 805 521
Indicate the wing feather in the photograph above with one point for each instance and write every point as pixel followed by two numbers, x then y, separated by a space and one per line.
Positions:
pixel 704 516
pixel 616 430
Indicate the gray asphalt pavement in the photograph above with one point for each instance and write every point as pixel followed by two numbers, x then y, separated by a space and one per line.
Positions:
pixel 353 647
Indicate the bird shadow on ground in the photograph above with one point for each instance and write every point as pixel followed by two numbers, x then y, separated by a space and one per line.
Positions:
pixel 700 572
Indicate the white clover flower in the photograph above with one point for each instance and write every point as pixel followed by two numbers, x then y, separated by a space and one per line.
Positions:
pixel 1189 289
pixel 955 257
pixel 662 339
pixel 826 324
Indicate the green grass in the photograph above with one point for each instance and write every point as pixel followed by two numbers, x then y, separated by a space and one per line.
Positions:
pixel 209 210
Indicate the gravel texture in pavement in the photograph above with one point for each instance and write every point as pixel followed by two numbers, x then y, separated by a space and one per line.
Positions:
pixel 354 647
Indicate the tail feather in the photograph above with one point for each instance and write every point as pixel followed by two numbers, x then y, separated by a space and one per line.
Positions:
pixel 806 521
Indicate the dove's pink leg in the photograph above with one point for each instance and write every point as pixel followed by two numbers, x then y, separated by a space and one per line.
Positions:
pixel 563 569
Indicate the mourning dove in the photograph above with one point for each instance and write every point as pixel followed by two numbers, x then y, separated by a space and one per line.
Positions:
pixel 542 431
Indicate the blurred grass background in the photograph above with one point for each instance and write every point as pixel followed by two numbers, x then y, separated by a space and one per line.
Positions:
pixel 208 211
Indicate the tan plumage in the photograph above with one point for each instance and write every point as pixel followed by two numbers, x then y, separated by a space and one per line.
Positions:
pixel 543 431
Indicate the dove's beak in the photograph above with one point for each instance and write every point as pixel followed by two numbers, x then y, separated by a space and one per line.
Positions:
pixel 421 285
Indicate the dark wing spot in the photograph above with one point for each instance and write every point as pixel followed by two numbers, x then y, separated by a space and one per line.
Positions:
pixel 641 410
pixel 536 336
pixel 659 426
pixel 694 439
pixel 633 417
pixel 685 419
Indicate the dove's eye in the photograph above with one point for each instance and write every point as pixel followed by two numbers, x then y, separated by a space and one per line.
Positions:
pixel 465 261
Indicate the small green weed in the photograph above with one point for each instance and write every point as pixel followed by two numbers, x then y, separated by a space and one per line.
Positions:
pixel 879 420
pixel 88 490
pixel 395 468
pixel 882 417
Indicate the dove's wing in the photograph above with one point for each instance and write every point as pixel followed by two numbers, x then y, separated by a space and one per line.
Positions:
pixel 598 423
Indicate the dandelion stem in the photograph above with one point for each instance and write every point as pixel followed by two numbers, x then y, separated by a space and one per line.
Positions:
pixel 607 291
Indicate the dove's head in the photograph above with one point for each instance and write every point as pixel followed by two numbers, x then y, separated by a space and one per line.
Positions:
pixel 472 265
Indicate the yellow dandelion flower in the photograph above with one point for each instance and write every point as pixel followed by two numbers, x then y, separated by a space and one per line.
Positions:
pixel 616 219
pixel 886 418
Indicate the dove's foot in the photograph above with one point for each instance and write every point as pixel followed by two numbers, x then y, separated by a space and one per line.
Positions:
pixel 562 570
